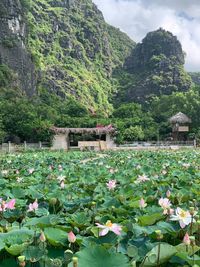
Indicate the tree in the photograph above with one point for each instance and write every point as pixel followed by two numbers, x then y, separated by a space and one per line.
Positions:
pixel 2 132
pixel 134 133
pixel 131 110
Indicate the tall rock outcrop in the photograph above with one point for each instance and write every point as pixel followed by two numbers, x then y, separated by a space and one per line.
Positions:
pixel 156 67
pixel 64 46
pixel 74 50
pixel 13 51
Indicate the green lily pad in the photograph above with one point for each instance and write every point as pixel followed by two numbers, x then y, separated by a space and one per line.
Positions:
pixel 98 256
pixel 56 237
pixel 166 252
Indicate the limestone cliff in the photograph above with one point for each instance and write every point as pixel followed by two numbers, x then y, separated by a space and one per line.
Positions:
pixel 13 50
pixel 74 51
pixel 66 48
pixel 156 67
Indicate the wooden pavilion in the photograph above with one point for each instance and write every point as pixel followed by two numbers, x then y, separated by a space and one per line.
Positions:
pixel 180 126
pixel 102 138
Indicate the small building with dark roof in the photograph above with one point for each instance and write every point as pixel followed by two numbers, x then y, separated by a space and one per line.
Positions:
pixel 180 126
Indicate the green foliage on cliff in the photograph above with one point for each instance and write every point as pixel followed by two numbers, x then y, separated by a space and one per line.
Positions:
pixel 76 50
pixel 5 75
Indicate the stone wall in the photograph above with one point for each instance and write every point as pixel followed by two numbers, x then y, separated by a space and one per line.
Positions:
pixel 60 142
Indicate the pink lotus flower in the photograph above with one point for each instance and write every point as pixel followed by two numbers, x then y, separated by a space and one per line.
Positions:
pixel 109 226
pixel 71 237
pixel 111 184
pixel 186 239
pixel 142 203
pixel 142 178
pixel 10 205
pixel 17 171
pixel 165 204
pixel 184 217
pixel 33 206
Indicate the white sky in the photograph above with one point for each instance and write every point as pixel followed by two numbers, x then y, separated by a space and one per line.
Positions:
pixel 138 17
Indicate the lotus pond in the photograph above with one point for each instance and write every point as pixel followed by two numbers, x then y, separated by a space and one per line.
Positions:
pixel 113 209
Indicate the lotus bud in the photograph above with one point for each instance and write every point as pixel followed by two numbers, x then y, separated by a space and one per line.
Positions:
pixel 71 237
pixel 53 201
pixel 186 239
pixel 22 264
pixel 68 254
pixel 42 237
pixel 21 260
pixel 75 261
pixel 159 234
pixel 62 185
pixel 192 211
pixel 168 193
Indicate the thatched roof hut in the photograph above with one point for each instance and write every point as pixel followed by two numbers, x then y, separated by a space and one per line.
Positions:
pixel 180 118
pixel 98 130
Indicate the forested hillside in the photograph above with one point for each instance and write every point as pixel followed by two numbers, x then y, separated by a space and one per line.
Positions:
pixel 62 64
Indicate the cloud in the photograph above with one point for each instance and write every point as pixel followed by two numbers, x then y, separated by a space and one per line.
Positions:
pixel 138 17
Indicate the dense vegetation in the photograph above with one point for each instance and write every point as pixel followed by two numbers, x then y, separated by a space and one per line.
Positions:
pixel 85 72
pixel 22 118
pixel 76 51
pixel 52 204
